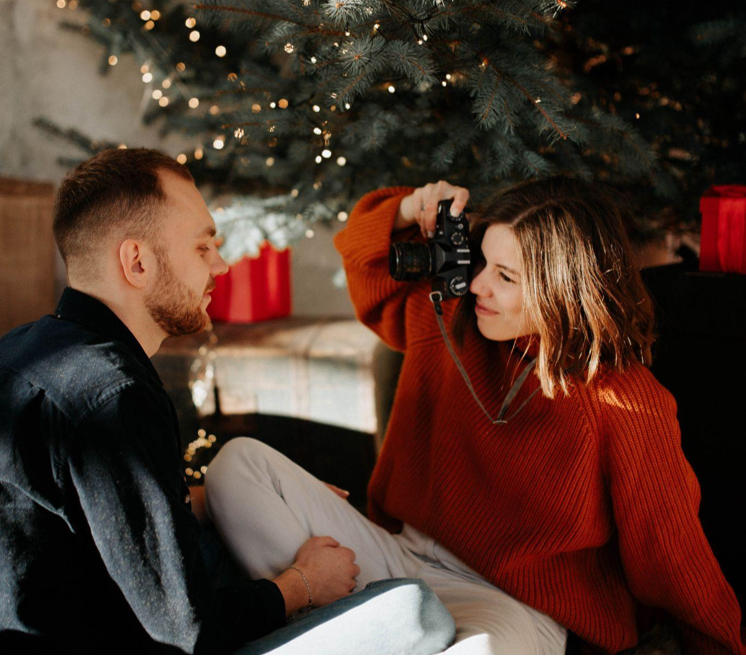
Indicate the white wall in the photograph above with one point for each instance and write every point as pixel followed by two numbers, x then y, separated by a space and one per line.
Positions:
pixel 50 72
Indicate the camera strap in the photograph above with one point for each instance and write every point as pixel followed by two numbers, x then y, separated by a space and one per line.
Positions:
pixel 436 298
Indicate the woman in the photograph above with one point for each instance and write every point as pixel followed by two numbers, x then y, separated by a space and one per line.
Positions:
pixel 577 508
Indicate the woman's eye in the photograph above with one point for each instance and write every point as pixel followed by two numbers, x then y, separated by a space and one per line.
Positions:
pixel 505 278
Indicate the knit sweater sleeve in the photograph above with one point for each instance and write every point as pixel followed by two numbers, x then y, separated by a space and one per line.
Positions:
pixel 380 301
pixel 666 557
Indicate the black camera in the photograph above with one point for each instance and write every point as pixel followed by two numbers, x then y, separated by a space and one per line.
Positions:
pixel 446 257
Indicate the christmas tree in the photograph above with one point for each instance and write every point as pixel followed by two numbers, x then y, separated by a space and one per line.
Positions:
pixel 323 101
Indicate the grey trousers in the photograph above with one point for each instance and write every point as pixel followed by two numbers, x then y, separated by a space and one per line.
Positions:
pixel 265 507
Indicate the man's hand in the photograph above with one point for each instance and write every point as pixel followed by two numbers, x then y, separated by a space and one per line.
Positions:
pixel 329 568
pixel 421 206
pixel 343 494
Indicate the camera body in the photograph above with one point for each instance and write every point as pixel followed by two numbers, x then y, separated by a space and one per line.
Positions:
pixel 446 257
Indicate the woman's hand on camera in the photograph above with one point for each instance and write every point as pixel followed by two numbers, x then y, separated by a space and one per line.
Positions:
pixel 421 206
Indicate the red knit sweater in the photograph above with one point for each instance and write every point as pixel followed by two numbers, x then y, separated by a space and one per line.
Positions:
pixel 580 506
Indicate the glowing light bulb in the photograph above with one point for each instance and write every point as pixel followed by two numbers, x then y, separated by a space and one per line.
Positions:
pixel 342 216
pixel 147 78
pixel 221 51
pixel 190 23
pixel 316 108
pixel 181 158
pixel 166 84
pixel 194 36
pixel 392 88
pixel 317 130
pixel 163 101
pixel 145 15
pixel 318 159
pixel 283 103
pixel 326 153
pixel 157 94
pixel 218 143
pixel 194 103
pixel 113 60
pixel 199 153
pixel 309 233
pixel 341 161
pixel 270 161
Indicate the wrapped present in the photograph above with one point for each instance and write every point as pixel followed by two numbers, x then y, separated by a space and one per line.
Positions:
pixel 723 245
pixel 255 289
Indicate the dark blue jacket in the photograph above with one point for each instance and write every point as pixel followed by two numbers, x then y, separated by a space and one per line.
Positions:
pixel 99 549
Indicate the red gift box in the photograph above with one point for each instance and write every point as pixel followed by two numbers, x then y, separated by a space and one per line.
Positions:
pixel 723 245
pixel 254 289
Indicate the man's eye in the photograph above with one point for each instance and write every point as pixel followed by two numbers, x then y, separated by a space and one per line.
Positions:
pixel 203 249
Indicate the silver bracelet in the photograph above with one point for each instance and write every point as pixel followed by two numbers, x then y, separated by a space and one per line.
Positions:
pixel 308 587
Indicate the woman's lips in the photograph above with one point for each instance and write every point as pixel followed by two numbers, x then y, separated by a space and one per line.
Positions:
pixel 480 309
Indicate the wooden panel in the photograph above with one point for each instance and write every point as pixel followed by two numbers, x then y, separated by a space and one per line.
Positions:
pixel 27 261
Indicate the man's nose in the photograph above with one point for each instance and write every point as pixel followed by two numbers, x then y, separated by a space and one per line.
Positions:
pixel 219 265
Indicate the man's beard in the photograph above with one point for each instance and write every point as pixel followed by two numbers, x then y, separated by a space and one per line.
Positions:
pixel 173 306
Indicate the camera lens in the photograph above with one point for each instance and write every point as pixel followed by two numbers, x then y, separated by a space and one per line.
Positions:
pixel 409 262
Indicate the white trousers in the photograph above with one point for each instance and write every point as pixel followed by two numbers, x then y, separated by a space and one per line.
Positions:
pixel 265 507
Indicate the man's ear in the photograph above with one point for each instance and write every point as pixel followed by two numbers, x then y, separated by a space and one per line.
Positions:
pixel 136 264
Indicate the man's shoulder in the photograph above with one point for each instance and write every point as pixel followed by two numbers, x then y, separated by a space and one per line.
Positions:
pixel 73 366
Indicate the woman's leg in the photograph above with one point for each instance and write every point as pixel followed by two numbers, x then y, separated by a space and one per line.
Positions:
pixel 265 507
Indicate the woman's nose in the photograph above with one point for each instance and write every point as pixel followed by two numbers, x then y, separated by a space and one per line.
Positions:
pixel 478 286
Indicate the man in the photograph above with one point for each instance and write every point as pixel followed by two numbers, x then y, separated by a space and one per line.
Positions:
pixel 99 547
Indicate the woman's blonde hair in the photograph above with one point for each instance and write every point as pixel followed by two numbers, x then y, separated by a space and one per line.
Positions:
pixel 580 287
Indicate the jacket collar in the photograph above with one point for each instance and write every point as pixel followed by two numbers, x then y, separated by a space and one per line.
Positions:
pixel 83 309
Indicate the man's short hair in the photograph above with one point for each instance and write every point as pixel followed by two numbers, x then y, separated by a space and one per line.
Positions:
pixel 115 189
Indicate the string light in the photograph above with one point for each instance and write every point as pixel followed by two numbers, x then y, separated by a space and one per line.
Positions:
pixel 144 68
pixel 313 60
pixel 318 159
pixel 181 67
pixel 392 88
pixel 218 143
pixel 190 23
pixel 145 15
pixel 194 36
pixel 326 153
pixel 61 3
pixel 347 105
pixel 155 14
pixel 637 115
pixel 256 108
pixel 273 105
pixel 294 193
pixel 444 83
pixel 289 47
pixel 157 94
pixel 316 108
pixel 194 103
pixel 220 51
pixel 166 83
pixel 341 161
pixel 342 216
pixel 283 103
pixel 309 233
pixel 149 26
pixel 198 153
pixel 238 133
pixel 147 78
pixel 73 5
pixel 214 110
pixel 377 27
pixel 113 60
pixel 448 76
pixel 317 130
pixel 270 161
pixel 181 158
pixel 163 101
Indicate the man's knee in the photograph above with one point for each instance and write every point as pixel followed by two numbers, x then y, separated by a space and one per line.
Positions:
pixel 237 459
